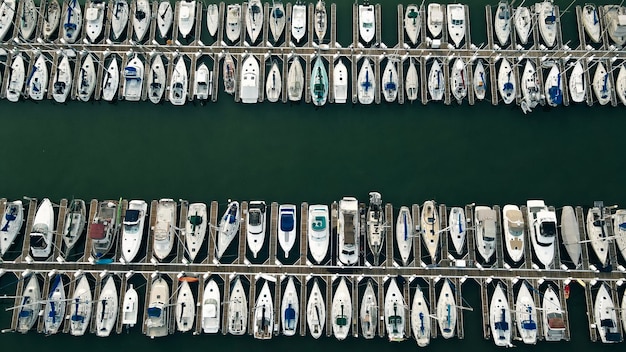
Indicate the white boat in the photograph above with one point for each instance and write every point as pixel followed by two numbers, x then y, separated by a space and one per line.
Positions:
pixel 289 309
pixel 37 82
pixel 164 231
pixel 211 308
pixel 295 80
pixel 141 19
pixel 577 83
pixel 620 84
pixel 41 235
pixel 287 226
pixel 411 82
pixel 11 224
pixel 249 88
pixel 80 307
pixel 369 312
pixel 119 21
pixel 542 230
pixel 186 17
pixel 87 79
pixel 165 18
pixel 72 21
pixel 319 82
pixel 552 316
pixel 523 24
pixel 263 314
pixel 54 312
pixel 348 231
pixel 446 311
pixel 506 82
pixel 394 312
pixel 456 23
pixel 320 24
pixel 513 221
pixel 319 232
pixel 158 309
pixel 103 230
pixel 544 11
pixel 457 225
pixel 132 228
pixel 341 311
pixel 273 86
pixel 185 308
pixel 597 232
pixel 233 22
pixel 133 79
pixel 602 84
pixel 254 20
pixel 195 228
pixel 570 234
pixel 619 230
pixel 436 84
pixel 298 22
pixel 434 20
pixel 430 229
pixel 458 80
pixel 502 23
pixel 179 83
pixel 591 22
pixel 616 23
pixel 28 19
pixel 256 223
pixel 553 86
pixel 201 82
pixel 74 224
pixel 606 317
pixel 30 305
pixel 94 15
pixel 111 80
pixel 412 23
pixel 375 224
pixel 51 18
pixel 390 82
pixel 106 309
pixel 16 80
pixel 367 24
pixel 485 223
pixel 316 312
pixel 156 80
pixel 7 14
pixel 526 315
pixel 228 228
pixel 340 82
pixel 366 83
pixel 130 308
pixel 277 20
pixel 420 319
pixel 404 234
pixel 500 318
pixel 212 18
pixel 480 81
pixel 62 81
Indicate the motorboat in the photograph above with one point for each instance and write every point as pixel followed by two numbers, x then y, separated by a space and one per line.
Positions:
pixel 7 15
pixel 436 84
pixel 523 24
pixel 74 223
pixel 211 308
pixel 577 83
pixel 165 18
pixel 186 17
pixel 295 80
pixel 553 85
pixel 132 228
pixel 28 19
pixel 201 82
pixel 605 316
pixel 319 232
pixel 544 11
pixel 434 20
pixel 619 230
pixel 480 81
pixel 273 86
pixel 62 81
pixel 229 74
pixel 254 19
pixel 249 88
pixel 157 312
pixel 228 228
pixel 412 23
pixel 485 223
pixel 179 83
pixel 133 79
pixel 341 311
pixel 420 319
pixel 458 80
pixel 287 226
pixel 316 311
pixel 500 318
pixel 375 224
pixel 11 224
pixel 54 311
pixel 130 307
pixel 348 230
pixel 94 16
pixel 106 309
pixel 185 308
pixel 552 316
pixel 30 305
pixel 195 228
pixel 526 315
pixel 87 79
pixel 369 312
pixel 298 21
pixel 164 231
pixel 502 23
pixel 457 226
pixel 80 307
pixel 390 81
pixel 404 234
pixel 602 84
pixel 591 22
pixel 263 314
pixel 506 82
pixel 256 223
pixel 367 24
pixel 16 80
pixel 111 80
pixel 142 18
pixel 411 82
pixel 340 82
pixel 513 221
pixel 277 20
pixel 366 83
pixel 103 230
pixel 570 234
pixel 430 229
pixel 51 19
pixel 37 81
pixel 446 311
pixel 394 312
pixel 616 23
pixel 119 21
pixel 41 235
pixel 72 21
pixel 289 309
pixel 212 19
pixel 620 84
pixel 456 23
pixel 320 20
pixel 233 22
pixel 319 83
pixel 542 230
pixel 156 80
pixel 597 232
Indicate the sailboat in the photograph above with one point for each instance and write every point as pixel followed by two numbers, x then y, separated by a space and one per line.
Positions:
pixel 430 229
pixel 212 18
pixel 201 82
pixel 619 230
pixel 273 85
pixel 320 20
pixel 80 307
pixel 412 82
pixel 42 230
pixel 287 226
pixel 94 15
pixel 457 228
pixel 404 234
pixel 591 22
pixel 51 19
pixel 256 223
pixel 132 229
pixel 130 307
pixel 369 312
pixel 530 84
pixel 526 315
pixel 237 309
pixel 394 312
pixel 602 84
pixel 513 221
pixel 28 19
pixel 295 80
pixel 229 74
pixel 523 24
pixel 179 83
pixel 87 79
pixel 390 81
pixel 164 18
pixel 570 234
pixel 254 20
pixel 506 82
pixel 37 82
pixel 185 308
pixel 111 80
pixel 249 88
pixel 133 79
pixel 319 82
pixel 316 311
pixel 277 20
pixel 195 228
pixel 552 316
pixel 500 318
pixel 211 308
pixel 106 309
pixel 620 84
pixel 74 225
pixel 103 230
pixel 606 316
pixel 341 311
pixel 458 80
pixel 412 23
pixel 10 225
pixel 375 225
pixel 228 227
pixel 164 229
pixel 446 311
pixel 485 221
pixel 553 87
pixel 290 309
pixel 420 318
pixel 366 84
pixel 30 305
pixel 340 82
pixel 156 80
pixel 158 309
pixel 544 11
pixel 62 81
pixel 54 312
pixel 436 85
pixel 263 314
pixel 480 82
pixel 502 23
pixel 73 21
pixel 318 232
pixel 233 22
pixel 142 19
pixel 616 28
pixel 7 11
pixel 598 232
pixel 119 21
pixel 186 17
pixel 16 80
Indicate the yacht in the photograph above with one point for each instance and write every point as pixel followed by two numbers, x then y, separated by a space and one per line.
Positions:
pixel 602 84
pixel 104 227
pixel 212 19
pixel 620 84
pixel 319 83
pixel 341 311
pixel 369 312
pixel 348 231
pixel 185 308
pixel 16 80
pixel 319 232
pixel 420 318
pixel 72 21
pixel 74 224
pixel 295 80
pixel 436 84
pixel 298 21
pixel 577 83
pixel 597 232
pixel 458 80
pixel 106 309
pixel 179 83
pixel 133 78
pixel 54 312
pixel 513 221
pixel 254 20
pixel 366 83
pixel 30 305
pixel 605 316
pixel 156 80
pixel 570 234
pixel 287 226
pixel 591 22
pixel 500 318
pixel 456 23
pixel 542 230
pixel 412 82
pixel 94 15
pixel 80 307
pixel 165 18
pixel 547 22
pixel 412 23
pixel 485 222
pixel 390 82
pixel 28 19
pixel 506 82
pixel 130 308
pixel 201 82
pixel 51 18
pixel 277 20
pixel 229 74
pixel 273 86
pixel 480 81
pixel 619 229
pixel 552 316
pixel 376 224
pixel 264 314
pixel 446 311
pixel 120 18
pixel 158 308
pixel 526 315
pixel 7 14
pixel 87 80
pixel 430 229
pixel 164 231
pixel 211 308
pixel 141 20
pixel 11 224
pixel 111 80
pixel 457 228
pixel 502 23
pixel 249 89
pixel 523 24
pixel 228 228
pixel 233 22
pixel 289 309
pixel 256 223
pixel 195 228
pixel 404 234
pixel 37 82
pixel 132 228
pixel 435 20
pixel 320 20
pixel 316 311
pixel 340 82
pixel 394 312
pixel 41 235
pixel 367 24
pixel 186 17
pixel 615 19
pixel 62 81
pixel 554 86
